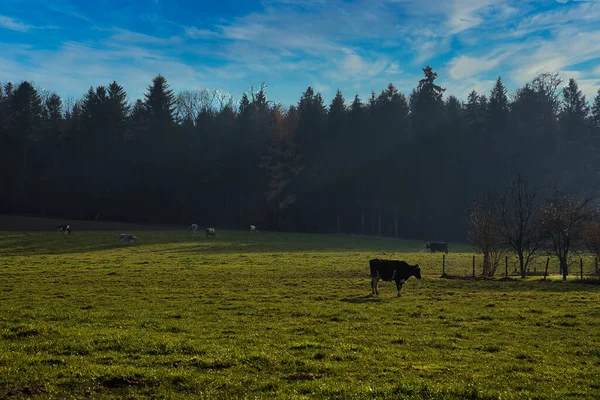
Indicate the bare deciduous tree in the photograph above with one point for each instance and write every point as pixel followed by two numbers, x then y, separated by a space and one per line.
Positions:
pixel 222 99
pixel 562 221
pixel 484 232
pixel 547 84
pixel 519 220
pixel 591 237
pixel 190 103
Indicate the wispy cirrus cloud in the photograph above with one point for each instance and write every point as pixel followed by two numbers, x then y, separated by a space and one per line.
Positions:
pixel 354 45
pixel 16 25
pixel 555 40
pixel 124 35
pixel 196 33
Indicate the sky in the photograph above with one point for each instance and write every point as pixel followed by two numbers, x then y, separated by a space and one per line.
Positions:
pixel 356 46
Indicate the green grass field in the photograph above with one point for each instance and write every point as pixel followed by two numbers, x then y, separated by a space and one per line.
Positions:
pixel 280 316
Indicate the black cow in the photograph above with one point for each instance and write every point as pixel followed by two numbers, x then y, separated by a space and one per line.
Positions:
pixel 211 232
pixel 437 246
pixel 60 228
pixel 392 270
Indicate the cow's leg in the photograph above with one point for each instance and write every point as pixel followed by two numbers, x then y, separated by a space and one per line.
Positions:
pixel 374 281
pixel 376 284
pixel 399 284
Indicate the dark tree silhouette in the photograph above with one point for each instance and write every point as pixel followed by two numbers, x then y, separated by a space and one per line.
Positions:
pixel 519 219
pixel 562 222
pixel 395 165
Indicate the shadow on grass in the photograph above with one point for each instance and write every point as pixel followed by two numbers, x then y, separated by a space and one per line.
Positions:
pixel 362 299
pixel 26 244
pixel 48 243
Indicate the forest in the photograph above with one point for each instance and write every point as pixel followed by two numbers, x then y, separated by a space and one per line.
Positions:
pixel 403 165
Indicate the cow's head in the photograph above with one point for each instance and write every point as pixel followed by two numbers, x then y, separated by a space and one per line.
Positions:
pixel 417 271
pixel 427 246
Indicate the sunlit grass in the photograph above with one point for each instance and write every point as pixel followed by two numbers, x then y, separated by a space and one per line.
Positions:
pixel 280 316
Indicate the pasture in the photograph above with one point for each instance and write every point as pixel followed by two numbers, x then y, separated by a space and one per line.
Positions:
pixel 279 316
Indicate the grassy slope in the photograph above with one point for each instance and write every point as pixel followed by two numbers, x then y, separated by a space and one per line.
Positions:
pixel 279 315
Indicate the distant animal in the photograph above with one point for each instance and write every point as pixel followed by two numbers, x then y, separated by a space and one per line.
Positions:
pixel 61 228
pixel 253 229
pixel 437 246
pixel 126 237
pixel 391 270
pixel 194 228
pixel 210 232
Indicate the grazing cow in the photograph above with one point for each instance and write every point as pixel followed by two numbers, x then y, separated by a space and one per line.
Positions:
pixel 61 228
pixel 437 246
pixel 391 270
pixel 194 228
pixel 126 237
pixel 253 229
pixel 210 232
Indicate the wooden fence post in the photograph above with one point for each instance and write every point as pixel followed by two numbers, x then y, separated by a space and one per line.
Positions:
pixel 473 266
pixel 443 265
pixel 506 265
pixel 546 272
pixel 581 268
pixel 596 265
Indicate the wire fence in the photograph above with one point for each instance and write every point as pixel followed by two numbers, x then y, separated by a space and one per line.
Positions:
pixel 466 265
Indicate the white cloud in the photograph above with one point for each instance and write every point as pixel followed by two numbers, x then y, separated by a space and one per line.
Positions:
pixel 123 35
pixel 74 67
pixel 14 25
pixel 570 47
pixel 360 44
pixel 393 68
pixel 321 88
pixel 558 19
pixel 9 23
pixel 466 66
pixel 461 89
pixel 352 66
pixel 195 33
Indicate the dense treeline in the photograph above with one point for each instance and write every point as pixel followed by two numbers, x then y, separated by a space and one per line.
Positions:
pixel 389 165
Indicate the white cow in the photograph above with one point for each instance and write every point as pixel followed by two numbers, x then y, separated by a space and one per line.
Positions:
pixel 126 237
pixel 194 228
pixel 253 229
pixel 211 232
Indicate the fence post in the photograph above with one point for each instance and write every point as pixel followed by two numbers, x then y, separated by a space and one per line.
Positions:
pixel 596 265
pixel 506 264
pixel 473 266
pixel 581 268
pixel 443 265
pixel 546 272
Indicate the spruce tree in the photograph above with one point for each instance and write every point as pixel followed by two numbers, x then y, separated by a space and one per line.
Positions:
pixel 595 112
pixel 160 105
pixel 574 112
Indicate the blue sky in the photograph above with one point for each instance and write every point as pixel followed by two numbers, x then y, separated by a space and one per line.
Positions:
pixel 356 46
